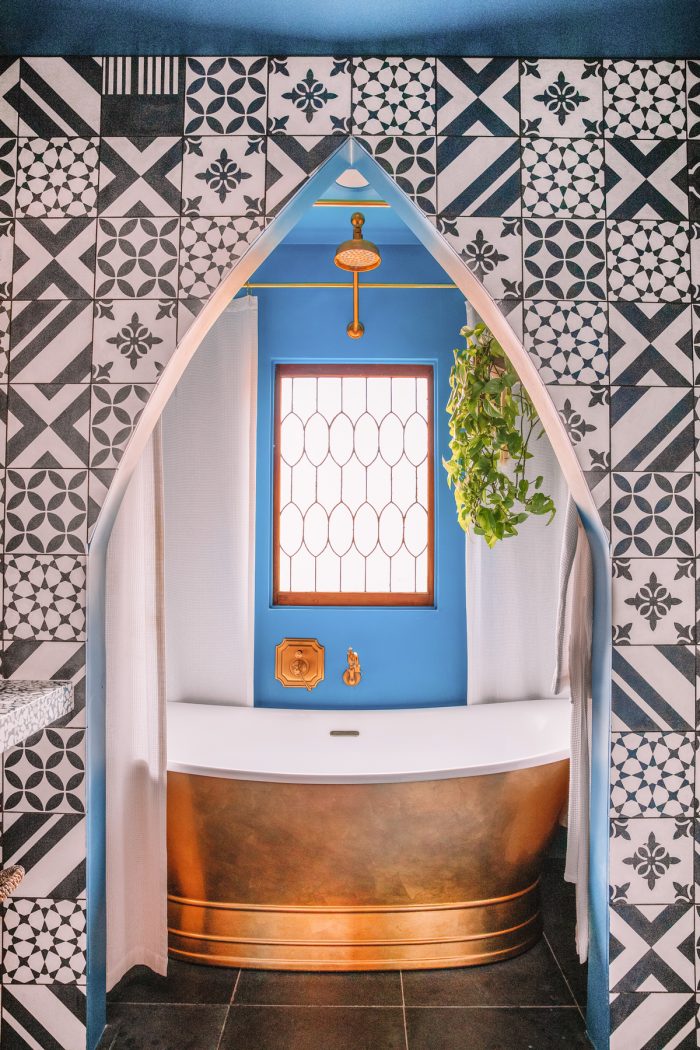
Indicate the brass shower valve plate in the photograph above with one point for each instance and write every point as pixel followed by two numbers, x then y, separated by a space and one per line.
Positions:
pixel 299 663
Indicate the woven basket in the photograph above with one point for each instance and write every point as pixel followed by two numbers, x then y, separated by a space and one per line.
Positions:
pixel 10 879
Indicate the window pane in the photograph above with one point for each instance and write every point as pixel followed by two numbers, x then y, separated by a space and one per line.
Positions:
pixel 353 476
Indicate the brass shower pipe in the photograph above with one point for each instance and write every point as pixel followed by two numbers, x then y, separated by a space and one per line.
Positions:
pixel 252 285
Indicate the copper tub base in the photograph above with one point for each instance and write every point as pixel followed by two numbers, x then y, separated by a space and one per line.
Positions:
pixel 415 875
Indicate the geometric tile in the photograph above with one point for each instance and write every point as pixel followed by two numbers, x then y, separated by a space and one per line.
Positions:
pixel 653 687
pixel 652 1021
pixel 309 96
pixel 54 259
pixel 652 774
pixel 585 413
pixel 57 177
pixel 187 311
pixel 44 942
pixel 491 248
pixel 208 249
pixel 644 99
pixel 564 259
pixel 652 428
pixel 563 177
pixel 98 487
pixel 567 341
pixel 143 95
pixel 45 597
pixel 51 849
pixel 4 339
pixel 650 344
pixel 653 602
pixel 598 482
pixel 49 661
pixel 653 515
pixel 410 161
pixel 60 96
pixel 133 340
pixel 646 179
pixel 41 1015
pixel 48 425
pixel 224 175
pixel 290 161
pixel 140 176
pixel 46 773
pixel 9 81
pixel 137 258
pixel 8 177
pixel 226 96
pixel 393 96
pixel 46 511
pixel 652 948
pixel 115 412
pixel 478 176
pixel 651 860
pixel 477 96
pixel 693 88
pixel 648 261
pixel 51 341
pixel 561 98
pixel 7 234
pixel 694 180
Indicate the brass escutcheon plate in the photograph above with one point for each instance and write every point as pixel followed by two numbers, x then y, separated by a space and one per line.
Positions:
pixel 299 663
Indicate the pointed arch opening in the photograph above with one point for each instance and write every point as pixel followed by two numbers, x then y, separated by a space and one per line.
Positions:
pixel 350 154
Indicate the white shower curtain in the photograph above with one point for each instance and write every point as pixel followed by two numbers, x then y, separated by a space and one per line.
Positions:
pixel 136 744
pixel 209 468
pixel 512 596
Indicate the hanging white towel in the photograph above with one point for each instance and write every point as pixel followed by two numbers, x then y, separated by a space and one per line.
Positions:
pixel 573 667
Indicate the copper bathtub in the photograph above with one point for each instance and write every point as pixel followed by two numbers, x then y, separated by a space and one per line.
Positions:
pixel 414 839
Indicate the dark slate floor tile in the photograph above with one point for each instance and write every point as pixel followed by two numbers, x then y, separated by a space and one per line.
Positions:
pixel 532 979
pixel 314 1028
pixel 166 1027
pixel 185 983
pixel 283 988
pixel 559 914
pixel 555 1028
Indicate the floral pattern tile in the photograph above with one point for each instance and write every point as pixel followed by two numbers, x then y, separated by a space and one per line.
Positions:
pixel 411 162
pixel 45 942
pixel 44 597
pixel 653 601
pixel 309 96
pixel 224 175
pixel 133 339
pixel 226 96
pixel 653 515
pixel 46 511
pixel 393 96
pixel 561 98
pixel 651 860
pixel 693 92
pixel 644 98
pixel 8 177
pixel 585 413
pixel 137 258
pixel 46 773
pixel 652 774
pixel 564 259
pixel 491 248
pixel 568 341
pixel 563 177
pixel 209 247
pixel 57 177
pixel 116 409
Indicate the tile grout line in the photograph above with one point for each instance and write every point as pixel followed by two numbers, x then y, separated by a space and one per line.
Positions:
pixel 228 1009
pixel 566 982
pixel 403 1010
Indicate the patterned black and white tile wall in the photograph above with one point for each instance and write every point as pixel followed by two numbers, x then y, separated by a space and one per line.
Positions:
pixel 128 187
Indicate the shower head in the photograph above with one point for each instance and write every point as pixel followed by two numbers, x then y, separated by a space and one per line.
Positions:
pixel 357 255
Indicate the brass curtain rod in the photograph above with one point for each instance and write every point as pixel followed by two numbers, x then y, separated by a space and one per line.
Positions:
pixel 344 285
pixel 338 203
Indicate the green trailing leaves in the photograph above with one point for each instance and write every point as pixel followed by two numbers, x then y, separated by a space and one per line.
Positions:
pixel 492 421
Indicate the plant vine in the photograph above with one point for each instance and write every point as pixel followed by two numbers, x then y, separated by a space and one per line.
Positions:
pixel 492 421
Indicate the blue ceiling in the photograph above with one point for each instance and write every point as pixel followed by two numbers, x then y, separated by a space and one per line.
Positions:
pixel 576 28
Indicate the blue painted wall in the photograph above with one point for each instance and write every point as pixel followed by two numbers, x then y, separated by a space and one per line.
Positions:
pixel 410 657
pixel 575 28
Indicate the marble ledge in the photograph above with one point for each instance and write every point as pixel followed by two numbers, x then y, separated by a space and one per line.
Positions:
pixel 27 707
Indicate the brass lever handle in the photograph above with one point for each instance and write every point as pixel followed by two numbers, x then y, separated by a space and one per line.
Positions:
pixel 352 675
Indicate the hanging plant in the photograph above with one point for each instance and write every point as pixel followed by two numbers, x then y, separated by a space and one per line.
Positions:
pixel 492 422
